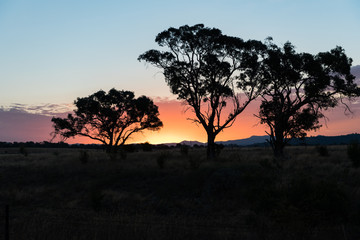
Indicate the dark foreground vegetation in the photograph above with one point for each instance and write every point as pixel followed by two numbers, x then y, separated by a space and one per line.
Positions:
pixel 177 194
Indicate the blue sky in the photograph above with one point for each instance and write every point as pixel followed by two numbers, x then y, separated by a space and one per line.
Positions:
pixel 55 51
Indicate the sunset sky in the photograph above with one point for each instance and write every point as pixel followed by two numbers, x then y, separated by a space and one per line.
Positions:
pixel 52 52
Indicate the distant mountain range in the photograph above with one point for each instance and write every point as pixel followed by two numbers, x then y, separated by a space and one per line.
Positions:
pixel 328 140
pixel 261 141
pixel 246 141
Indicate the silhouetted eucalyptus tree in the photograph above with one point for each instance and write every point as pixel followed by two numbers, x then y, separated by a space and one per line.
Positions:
pixel 299 87
pixel 110 118
pixel 206 69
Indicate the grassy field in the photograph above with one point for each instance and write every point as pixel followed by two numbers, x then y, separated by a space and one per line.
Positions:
pixel 166 194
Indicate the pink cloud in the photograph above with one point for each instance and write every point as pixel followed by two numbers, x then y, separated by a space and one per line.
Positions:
pixel 17 125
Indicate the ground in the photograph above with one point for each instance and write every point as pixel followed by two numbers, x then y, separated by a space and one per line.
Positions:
pixel 173 194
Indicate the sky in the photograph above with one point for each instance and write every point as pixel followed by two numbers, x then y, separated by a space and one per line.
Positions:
pixel 52 52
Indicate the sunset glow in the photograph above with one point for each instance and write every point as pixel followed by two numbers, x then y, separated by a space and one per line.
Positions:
pixel 176 126
pixel 53 52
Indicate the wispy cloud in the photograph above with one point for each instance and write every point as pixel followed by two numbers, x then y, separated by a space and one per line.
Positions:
pixel 47 109
pixel 19 125
pixel 24 122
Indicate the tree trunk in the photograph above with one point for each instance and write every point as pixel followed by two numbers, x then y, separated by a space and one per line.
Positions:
pixel 278 149
pixel 279 144
pixel 210 153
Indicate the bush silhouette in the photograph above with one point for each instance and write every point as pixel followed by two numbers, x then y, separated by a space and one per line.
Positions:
pixel 184 149
pixel 322 150
pixel 147 147
pixel 353 152
pixel 84 157
pixel 161 159
pixel 23 151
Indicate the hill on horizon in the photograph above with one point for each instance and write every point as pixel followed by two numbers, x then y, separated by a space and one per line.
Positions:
pixel 262 140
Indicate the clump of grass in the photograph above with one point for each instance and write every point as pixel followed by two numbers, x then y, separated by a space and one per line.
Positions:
pixel 112 156
pixel 84 157
pixel 161 159
pixel 268 163
pixel 116 152
pixel 322 151
pixel 96 197
pixel 184 149
pixel 353 152
pixel 194 161
pixel 23 151
pixel 218 149
pixel 123 153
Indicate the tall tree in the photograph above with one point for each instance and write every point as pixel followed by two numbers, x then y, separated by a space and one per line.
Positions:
pixel 206 70
pixel 110 118
pixel 300 86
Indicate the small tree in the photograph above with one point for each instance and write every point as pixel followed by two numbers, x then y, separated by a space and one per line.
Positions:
pixel 299 87
pixel 110 118
pixel 206 69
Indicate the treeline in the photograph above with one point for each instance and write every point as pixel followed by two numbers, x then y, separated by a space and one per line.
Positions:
pixel 146 147
pixel 46 144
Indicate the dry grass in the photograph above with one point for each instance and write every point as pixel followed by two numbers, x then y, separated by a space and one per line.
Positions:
pixel 244 194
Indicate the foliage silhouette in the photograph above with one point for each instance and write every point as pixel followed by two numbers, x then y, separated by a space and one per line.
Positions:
pixel 110 118
pixel 300 86
pixel 206 70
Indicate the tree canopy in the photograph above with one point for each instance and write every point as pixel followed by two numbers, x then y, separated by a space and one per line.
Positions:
pixel 300 86
pixel 110 118
pixel 216 75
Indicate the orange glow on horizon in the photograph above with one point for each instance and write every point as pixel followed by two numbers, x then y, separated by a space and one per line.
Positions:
pixel 177 128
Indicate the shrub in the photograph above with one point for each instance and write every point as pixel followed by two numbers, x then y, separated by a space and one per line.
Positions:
pixel 319 201
pixel 353 152
pixel 268 163
pixel 194 161
pixel 184 149
pixel 123 153
pixel 23 150
pixel 84 157
pixel 146 147
pixel 322 151
pixel 96 197
pixel 218 149
pixel 130 148
pixel 161 159
pixel 112 155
